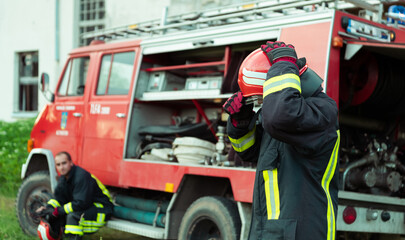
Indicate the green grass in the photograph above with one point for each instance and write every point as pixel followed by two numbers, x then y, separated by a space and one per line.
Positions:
pixel 10 229
pixel 13 153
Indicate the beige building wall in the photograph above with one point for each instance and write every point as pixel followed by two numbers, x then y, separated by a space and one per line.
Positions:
pixel 29 26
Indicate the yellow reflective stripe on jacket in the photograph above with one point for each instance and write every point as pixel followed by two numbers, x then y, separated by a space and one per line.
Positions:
pixel 98 205
pixel 279 83
pixel 272 193
pixel 244 142
pixel 100 217
pixel 54 203
pixel 102 187
pixel 73 229
pixel 327 177
pixel 68 208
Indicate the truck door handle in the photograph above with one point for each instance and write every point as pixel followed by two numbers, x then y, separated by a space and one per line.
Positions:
pixel 120 115
pixel 76 114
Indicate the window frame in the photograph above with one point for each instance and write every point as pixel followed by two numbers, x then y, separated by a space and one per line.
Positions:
pixel 62 75
pixel 131 80
pixel 30 81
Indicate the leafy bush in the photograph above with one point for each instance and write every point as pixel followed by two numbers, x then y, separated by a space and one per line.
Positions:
pixel 13 153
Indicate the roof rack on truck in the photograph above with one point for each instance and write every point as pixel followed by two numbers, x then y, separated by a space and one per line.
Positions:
pixel 235 14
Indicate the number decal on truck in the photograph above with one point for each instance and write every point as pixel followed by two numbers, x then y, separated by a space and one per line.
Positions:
pixel 96 108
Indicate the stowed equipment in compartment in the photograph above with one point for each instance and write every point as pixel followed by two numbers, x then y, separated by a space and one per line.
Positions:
pixel 372 122
pixel 180 94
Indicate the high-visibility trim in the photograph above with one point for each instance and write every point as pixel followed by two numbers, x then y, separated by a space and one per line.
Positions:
pixel 68 208
pixel 254 78
pixel 98 205
pixel 102 187
pixel 90 226
pixel 327 177
pixel 279 83
pixel 54 203
pixel 254 74
pixel 73 229
pixel 90 229
pixel 244 142
pixel 272 193
pixel 100 217
pixel 253 81
pixel 89 223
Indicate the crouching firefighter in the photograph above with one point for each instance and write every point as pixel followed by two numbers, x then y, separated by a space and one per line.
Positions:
pixel 294 138
pixel 81 203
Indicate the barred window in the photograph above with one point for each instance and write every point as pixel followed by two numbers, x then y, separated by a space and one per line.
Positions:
pixel 92 15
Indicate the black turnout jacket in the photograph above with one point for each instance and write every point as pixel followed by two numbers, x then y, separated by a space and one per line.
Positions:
pixel 295 142
pixel 79 191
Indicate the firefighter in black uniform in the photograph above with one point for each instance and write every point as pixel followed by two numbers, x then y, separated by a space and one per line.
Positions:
pixel 295 141
pixel 82 203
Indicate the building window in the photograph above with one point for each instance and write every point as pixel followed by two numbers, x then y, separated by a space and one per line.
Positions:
pixel 28 81
pixel 92 15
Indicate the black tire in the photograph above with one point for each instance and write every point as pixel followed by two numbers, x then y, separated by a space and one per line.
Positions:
pixel 35 191
pixel 211 218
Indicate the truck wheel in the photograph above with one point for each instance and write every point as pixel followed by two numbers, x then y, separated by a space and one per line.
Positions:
pixel 211 218
pixel 35 191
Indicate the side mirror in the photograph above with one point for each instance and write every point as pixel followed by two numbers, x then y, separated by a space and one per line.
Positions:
pixel 44 84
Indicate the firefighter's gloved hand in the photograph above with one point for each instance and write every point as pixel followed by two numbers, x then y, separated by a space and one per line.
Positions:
pixel 301 63
pixel 279 51
pixel 55 213
pixel 47 212
pixel 240 112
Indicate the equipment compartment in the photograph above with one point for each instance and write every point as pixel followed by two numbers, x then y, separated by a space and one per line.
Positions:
pixel 184 89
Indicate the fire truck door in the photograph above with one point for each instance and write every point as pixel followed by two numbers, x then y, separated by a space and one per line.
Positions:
pixel 107 110
pixel 69 102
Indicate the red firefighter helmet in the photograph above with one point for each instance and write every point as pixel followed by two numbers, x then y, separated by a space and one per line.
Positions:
pixel 45 231
pixel 253 72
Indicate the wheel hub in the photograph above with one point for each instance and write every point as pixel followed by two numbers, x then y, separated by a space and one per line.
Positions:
pixel 36 199
pixel 205 228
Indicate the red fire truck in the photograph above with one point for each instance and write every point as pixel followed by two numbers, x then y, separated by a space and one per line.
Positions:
pixel 145 117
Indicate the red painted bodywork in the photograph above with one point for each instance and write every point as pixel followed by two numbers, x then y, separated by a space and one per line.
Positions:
pixel 97 142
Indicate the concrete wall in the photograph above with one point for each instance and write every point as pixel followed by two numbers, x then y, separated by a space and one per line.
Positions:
pixel 30 26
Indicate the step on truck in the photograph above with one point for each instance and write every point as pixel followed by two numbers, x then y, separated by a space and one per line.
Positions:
pixel 141 108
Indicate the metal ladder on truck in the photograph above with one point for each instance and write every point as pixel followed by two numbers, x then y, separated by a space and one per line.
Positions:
pixel 233 14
